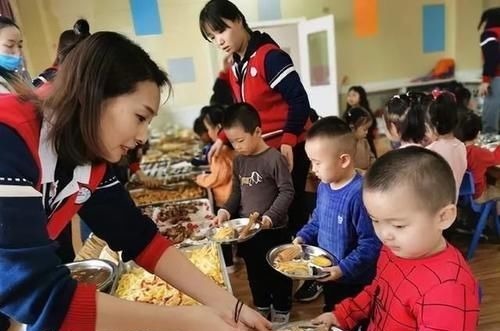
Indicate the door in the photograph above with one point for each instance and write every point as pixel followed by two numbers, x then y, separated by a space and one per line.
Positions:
pixel 318 66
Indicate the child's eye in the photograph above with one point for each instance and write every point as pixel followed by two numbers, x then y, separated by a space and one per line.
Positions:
pixel 141 118
pixel 400 226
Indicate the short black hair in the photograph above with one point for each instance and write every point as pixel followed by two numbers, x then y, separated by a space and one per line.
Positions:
pixel 199 127
pixel 443 113
pixel 332 127
pixel 215 11
pixel 470 126
pixel 421 170
pixel 243 115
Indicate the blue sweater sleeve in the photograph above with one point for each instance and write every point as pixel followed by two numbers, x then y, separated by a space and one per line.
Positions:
pixel 282 77
pixel 365 255
pixel 34 288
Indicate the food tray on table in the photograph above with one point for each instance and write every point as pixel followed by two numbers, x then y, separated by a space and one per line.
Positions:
pixel 305 326
pixel 300 261
pixel 185 221
pixel 135 284
pixel 230 231
pixel 184 191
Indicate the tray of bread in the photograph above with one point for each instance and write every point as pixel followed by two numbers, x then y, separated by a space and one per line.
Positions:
pixel 181 221
pixel 306 326
pixel 185 191
pixel 235 230
pixel 136 284
pixel 304 262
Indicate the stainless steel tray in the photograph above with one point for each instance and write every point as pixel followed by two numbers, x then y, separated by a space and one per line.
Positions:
pixel 95 264
pixel 237 224
pixel 304 326
pixel 308 252
pixel 127 266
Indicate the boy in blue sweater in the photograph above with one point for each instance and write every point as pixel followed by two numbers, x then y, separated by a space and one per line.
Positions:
pixel 339 223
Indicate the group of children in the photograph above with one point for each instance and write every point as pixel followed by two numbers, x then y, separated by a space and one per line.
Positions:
pixel 394 270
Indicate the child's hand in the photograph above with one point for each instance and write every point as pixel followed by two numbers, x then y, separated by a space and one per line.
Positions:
pixel 266 222
pixel 298 241
pixel 222 216
pixel 335 273
pixel 326 319
pixel 199 178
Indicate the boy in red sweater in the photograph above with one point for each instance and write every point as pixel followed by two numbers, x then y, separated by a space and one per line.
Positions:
pixel 479 159
pixel 422 282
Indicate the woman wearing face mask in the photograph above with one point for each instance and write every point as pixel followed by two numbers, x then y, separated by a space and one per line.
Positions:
pixel 11 44
pixel 55 163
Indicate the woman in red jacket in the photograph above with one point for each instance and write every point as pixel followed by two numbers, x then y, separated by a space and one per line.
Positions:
pixel 56 163
pixel 263 75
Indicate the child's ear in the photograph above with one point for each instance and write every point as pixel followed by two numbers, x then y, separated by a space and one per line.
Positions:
pixel 258 132
pixel 446 216
pixel 345 160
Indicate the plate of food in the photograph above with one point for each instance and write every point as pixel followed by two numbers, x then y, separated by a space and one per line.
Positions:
pixel 97 272
pixel 235 230
pixel 300 261
pixel 306 326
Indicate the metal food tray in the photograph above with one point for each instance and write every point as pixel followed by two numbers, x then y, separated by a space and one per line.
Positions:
pixel 91 264
pixel 124 267
pixel 304 326
pixel 307 252
pixel 207 194
pixel 237 224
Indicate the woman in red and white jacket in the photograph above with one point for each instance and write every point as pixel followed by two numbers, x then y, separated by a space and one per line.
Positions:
pixel 263 75
pixel 55 163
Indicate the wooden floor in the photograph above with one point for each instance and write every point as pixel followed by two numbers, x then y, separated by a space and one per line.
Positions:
pixel 485 265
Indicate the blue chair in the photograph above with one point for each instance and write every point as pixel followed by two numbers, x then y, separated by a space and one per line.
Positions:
pixel 484 210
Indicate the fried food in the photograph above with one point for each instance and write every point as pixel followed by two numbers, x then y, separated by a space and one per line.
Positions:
pixel 225 233
pixel 321 261
pixel 252 219
pixel 297 268
pixel 289 254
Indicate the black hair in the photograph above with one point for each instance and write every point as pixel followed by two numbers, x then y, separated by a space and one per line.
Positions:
pixel 470 126
pixel 357 116
pixel 462 95
pixel 421 170
pixel 68 39
pixel 243 115
pixel 199 127
pixel 491 17
pixel 408 113
pixel 215 11
pixel 213 114
pixel 363 97
pixel 6 22
pixel 443 113
pixel 333 127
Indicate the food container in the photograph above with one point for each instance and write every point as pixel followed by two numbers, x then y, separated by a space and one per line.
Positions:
pixel 127 267
pixel 305 259
pixel 237 225
pixel 98 272
pixel 175 192
pixel 305 326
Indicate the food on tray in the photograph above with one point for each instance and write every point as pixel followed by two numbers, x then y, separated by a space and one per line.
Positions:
pixel 306 328
pixel 140 285
pixel 294 267
pixel 95 276
pixel 321 261
pixel 184 192
pixel 225 233
pixel 288 254
pixel 252 219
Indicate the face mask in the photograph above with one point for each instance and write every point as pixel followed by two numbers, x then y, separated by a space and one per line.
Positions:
pixel 10 62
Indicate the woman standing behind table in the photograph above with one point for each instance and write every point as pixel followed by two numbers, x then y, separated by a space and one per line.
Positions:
pixel 263 76
pixel 55 163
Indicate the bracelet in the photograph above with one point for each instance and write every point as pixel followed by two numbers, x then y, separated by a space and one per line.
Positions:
pixel 237 310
